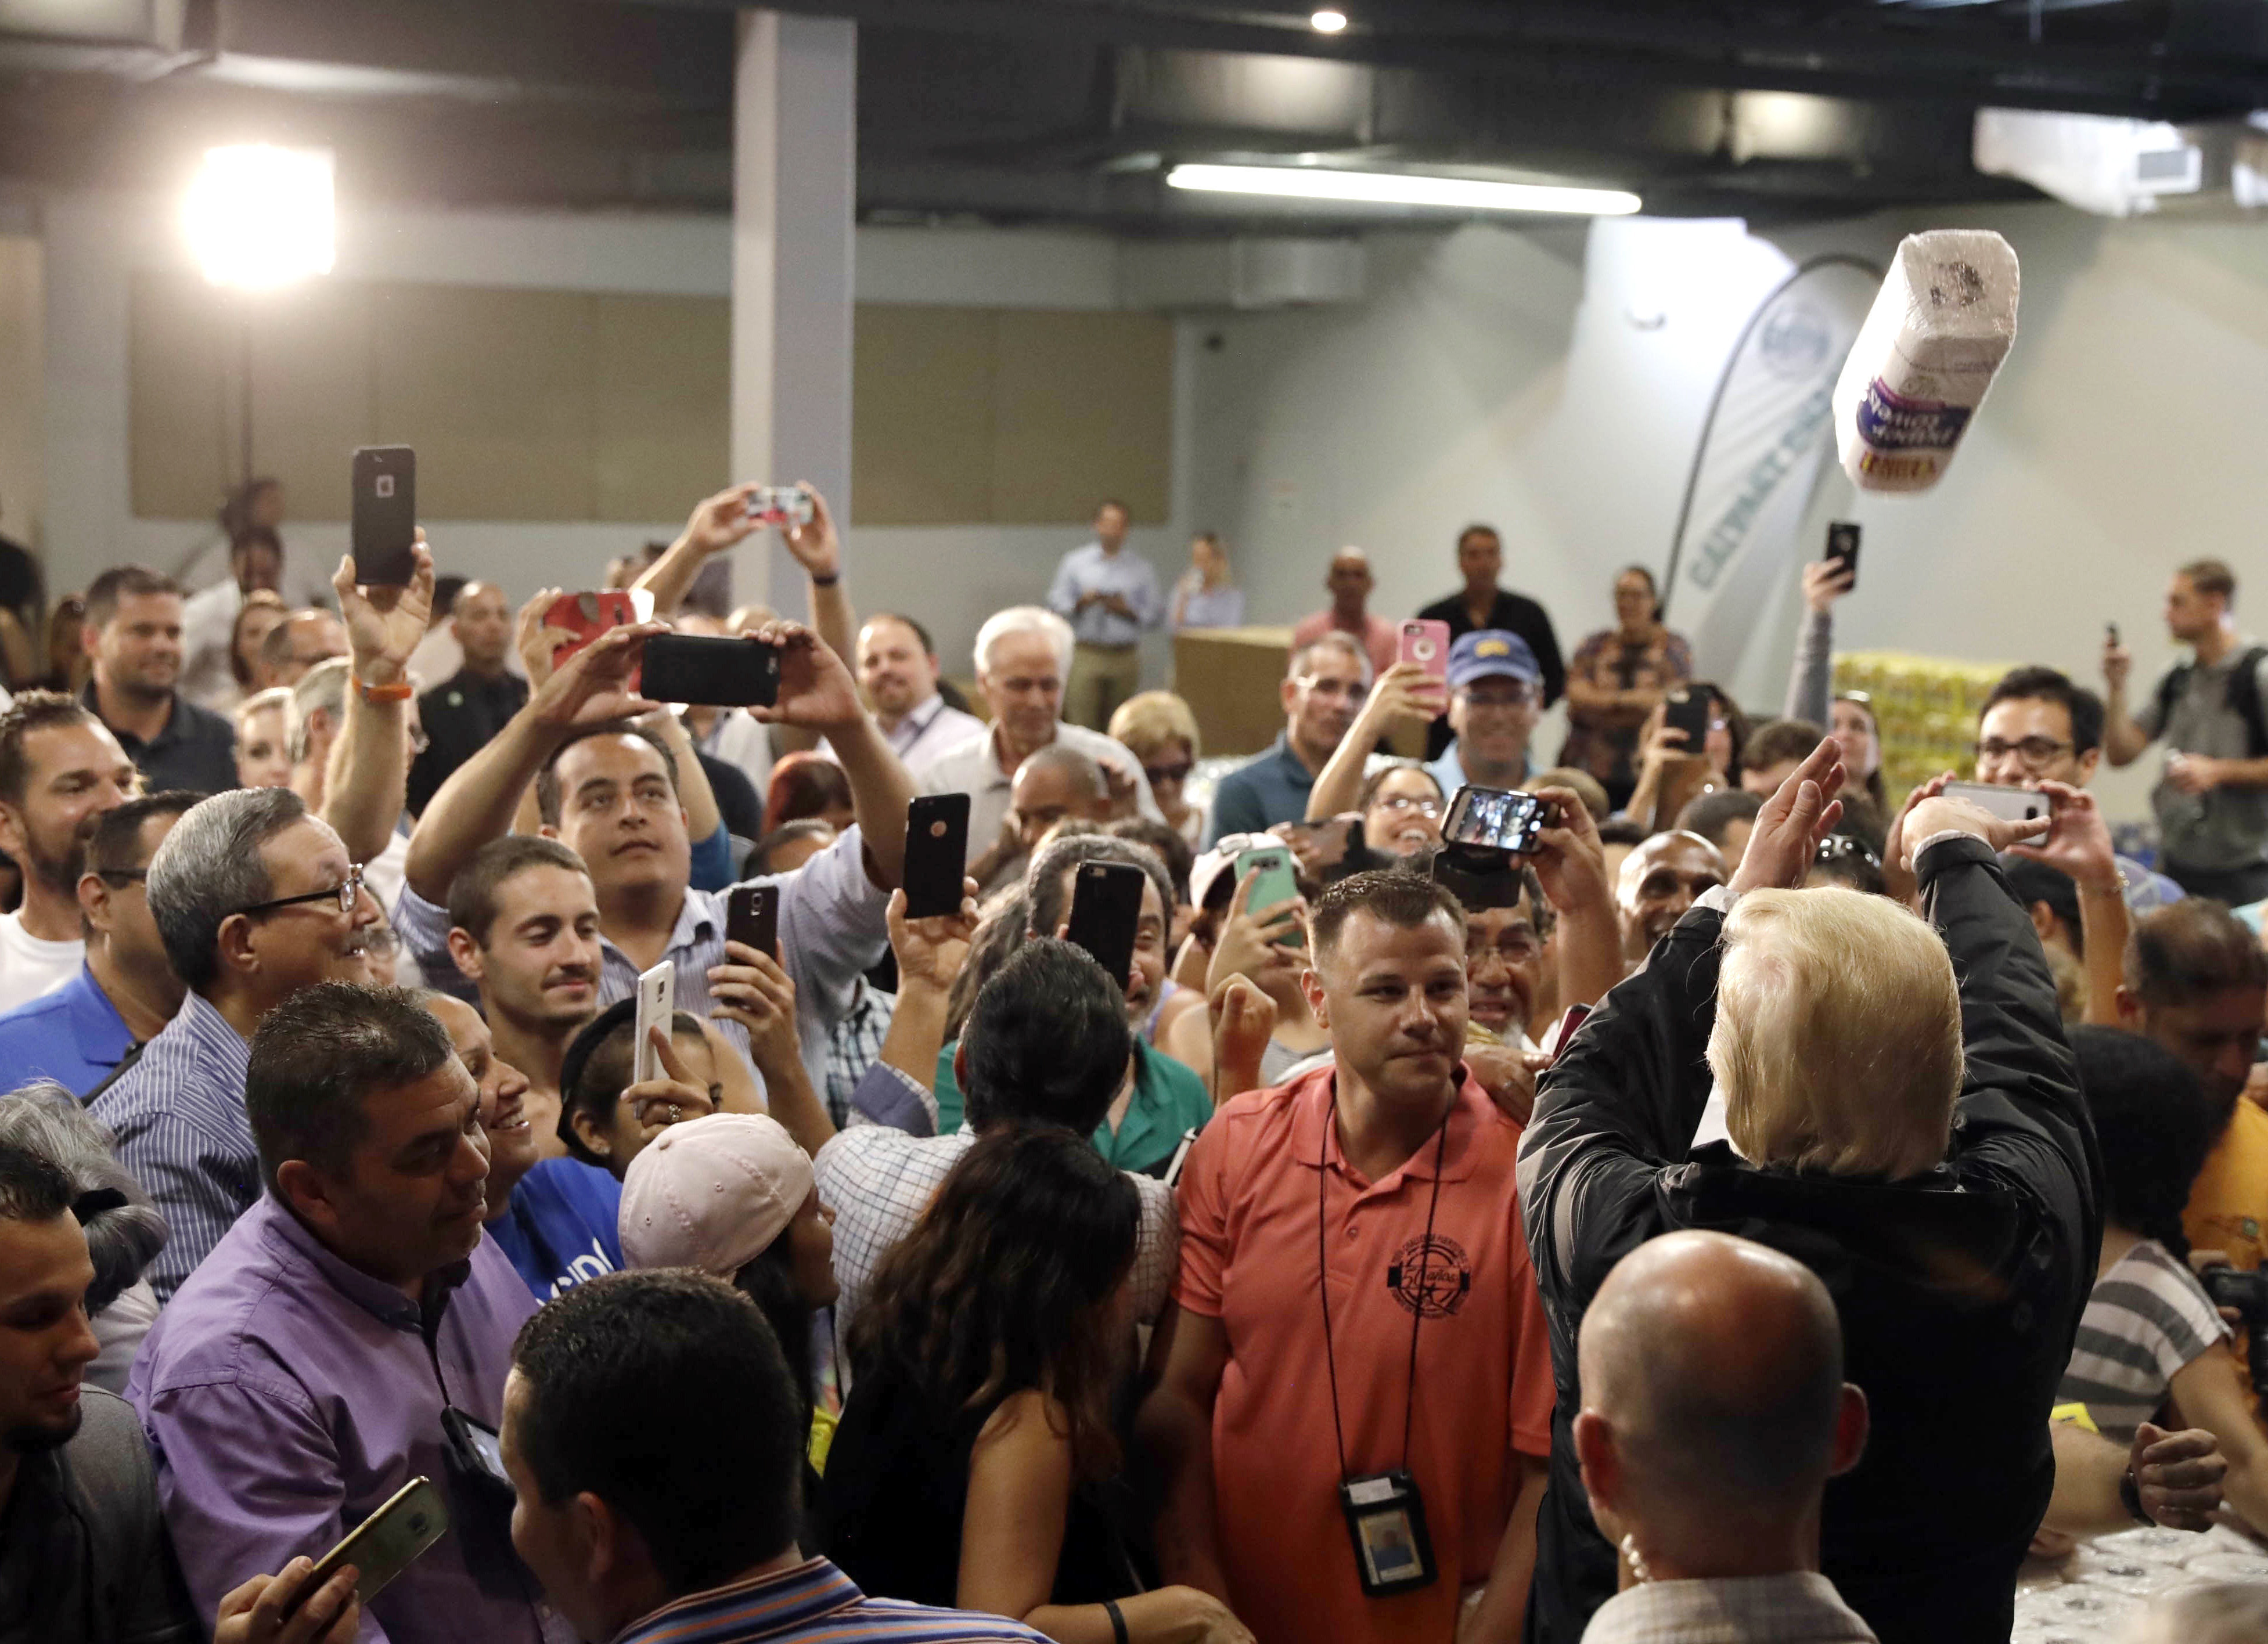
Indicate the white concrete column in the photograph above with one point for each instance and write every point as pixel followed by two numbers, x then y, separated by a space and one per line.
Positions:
pixel 794 196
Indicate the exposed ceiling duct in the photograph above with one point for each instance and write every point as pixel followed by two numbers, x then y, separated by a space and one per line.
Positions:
pixel 2129 167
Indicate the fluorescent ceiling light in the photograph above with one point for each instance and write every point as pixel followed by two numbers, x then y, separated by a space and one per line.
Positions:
pixel 1465 194
pixel 1327 22
pixel 260 215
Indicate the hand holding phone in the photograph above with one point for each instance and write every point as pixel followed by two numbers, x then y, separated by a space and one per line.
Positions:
pixel 1426 643
pixel 384 1545
pixel 1842 551
pixel 657 1003
pixel 384 528
pixel 585 616
pixel 752 916
pixel 701 671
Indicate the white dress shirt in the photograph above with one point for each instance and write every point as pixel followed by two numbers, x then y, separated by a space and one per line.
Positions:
pixel 972 766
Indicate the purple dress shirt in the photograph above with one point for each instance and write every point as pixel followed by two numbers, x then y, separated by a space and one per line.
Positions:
pixel 287 1394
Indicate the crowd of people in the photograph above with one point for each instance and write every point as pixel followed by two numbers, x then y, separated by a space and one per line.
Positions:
pixel 1756 1206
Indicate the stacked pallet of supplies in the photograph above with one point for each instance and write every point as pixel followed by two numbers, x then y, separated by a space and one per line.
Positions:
pixel 1927 707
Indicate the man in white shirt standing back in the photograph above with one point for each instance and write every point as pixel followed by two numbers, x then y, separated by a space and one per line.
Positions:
pixel 1022 656
pixel 59 765
pixel 1108 594
pixel 898 670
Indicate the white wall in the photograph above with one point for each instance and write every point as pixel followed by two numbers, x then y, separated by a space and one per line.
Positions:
pixel 23 389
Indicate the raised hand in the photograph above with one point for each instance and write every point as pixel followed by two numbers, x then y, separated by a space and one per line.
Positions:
pixel 1939 814
pixel 815 690
pixel 815 546
pixel 1570 859
pixel 2077 840
pixel 932 950
pixel 753 991
pixel 384 624
pixel 722 521
pixel 658 1104
pixel 1785 839
pixel 1243 1021
pixel 1824 582
pixel 593 685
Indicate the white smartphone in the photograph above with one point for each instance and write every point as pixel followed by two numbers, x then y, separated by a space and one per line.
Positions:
pixel 656 1002
pixel 2010 805
pixel 384 1545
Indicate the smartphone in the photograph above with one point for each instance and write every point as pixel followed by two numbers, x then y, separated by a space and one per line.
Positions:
pixel 656 1002
pixel 780 505
pixel 586 616
pixel 1426 645
pixel 385 528
pixel 1106 907
pixel 937 855
pixel 2010 805
pixel 1499 819
pixel 752 916
pixel 2110 631
pixel 1270 865
pixel 384 1545
pixel 1843 548
pixel 701 671
pixel 1688 709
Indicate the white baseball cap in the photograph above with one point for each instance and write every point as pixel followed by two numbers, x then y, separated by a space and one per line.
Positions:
pixel 713 1193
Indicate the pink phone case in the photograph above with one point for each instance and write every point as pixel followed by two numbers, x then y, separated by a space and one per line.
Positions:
pixel 1427 644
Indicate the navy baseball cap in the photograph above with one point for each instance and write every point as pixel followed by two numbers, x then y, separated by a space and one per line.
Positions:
pixel 1490 652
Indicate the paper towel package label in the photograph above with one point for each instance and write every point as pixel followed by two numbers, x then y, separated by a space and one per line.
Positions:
pixel 1890 420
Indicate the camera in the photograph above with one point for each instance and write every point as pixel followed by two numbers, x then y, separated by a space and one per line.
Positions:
pixel 2246 1293
pixel 780 505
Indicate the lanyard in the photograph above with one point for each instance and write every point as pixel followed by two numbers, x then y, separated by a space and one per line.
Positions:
pixel 1417 1311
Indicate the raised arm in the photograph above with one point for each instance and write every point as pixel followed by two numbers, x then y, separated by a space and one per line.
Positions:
pixel 930 953
pixel 717 524
pixel 1810 677
pixel 2077 845
pixel 2124 737
pixel 368 779
pixel 478 803
pixel 1405 691
pixel 818 694
pixel 1571 865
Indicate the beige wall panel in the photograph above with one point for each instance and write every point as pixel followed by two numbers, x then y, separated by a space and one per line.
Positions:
pixel 311 400
pixel 922 415
pixel 662 410
pixel 494 388
pixel 181 410
pixel 1085 409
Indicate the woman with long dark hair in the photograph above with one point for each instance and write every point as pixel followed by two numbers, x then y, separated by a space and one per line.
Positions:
pixel 979 1417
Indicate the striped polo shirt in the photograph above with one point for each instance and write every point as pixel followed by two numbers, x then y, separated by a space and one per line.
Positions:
pixel 2145 1319
pixel 814 1603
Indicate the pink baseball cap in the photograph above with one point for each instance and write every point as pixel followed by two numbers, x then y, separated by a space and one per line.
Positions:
pixel 713 1193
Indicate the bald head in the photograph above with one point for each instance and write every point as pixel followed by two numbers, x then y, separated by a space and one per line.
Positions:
pixel 1712 1372
pixel 481 618
pixel 1056 784
pixel 1659 880
pixel 1349 579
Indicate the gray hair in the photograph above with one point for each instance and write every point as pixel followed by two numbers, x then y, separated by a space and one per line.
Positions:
pixel 1044 895
pixel 321 689
pixel 121 1239
pixel 1024 620
pixel 1301 658
pixel 261 701
pixel 211 867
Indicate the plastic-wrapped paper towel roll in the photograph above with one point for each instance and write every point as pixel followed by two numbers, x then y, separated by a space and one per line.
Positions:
pixel 1940 327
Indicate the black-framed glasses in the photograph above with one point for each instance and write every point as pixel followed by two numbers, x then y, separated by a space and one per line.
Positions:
pixel 2033 752
pixel 345 896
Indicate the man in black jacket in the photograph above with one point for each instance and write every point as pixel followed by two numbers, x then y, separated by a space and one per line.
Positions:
pixel 1951 1202
pixel 1482 603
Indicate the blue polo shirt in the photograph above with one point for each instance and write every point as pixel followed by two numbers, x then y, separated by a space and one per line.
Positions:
pixel 1268 789
pixel 74 1036
pixel 560 1228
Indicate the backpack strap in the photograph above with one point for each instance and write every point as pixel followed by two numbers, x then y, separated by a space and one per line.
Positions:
pixel 2244 697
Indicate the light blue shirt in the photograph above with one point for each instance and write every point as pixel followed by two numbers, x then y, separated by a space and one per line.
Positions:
pixel 1089 570
pixel 1449 770
pixel 1213 607
pixel 178 1117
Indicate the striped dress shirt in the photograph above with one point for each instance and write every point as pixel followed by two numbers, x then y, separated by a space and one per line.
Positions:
pixel 814 1602
pixel 178 1117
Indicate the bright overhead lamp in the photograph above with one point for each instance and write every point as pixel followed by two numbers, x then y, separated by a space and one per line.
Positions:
pixel 260 215
pixel 1328 21
pixel 1466 194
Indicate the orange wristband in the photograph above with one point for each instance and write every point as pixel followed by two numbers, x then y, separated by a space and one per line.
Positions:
pixel 397 692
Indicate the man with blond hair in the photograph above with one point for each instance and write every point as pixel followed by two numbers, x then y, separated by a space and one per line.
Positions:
pixel 1847 1036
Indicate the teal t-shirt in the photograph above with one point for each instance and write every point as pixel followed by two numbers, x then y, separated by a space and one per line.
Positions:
pixel 1169 1098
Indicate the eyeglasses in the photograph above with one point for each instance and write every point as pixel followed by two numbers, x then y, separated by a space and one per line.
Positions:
pixel 1514 947
pixel 344 896
pixel 1404 802
pixel 2033 752
pixel 1169 773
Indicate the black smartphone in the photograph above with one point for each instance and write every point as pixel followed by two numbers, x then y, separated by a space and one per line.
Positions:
pixel 1497 817
pixel 937 855
pixel 1687 709
pixel 751 916
pixel 1106 906
pixel 2110 631
pixel 1843 548
pixel 384 527
pixel 705 671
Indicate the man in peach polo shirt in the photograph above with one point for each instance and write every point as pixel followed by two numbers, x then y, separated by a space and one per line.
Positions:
pixel 1351 1463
